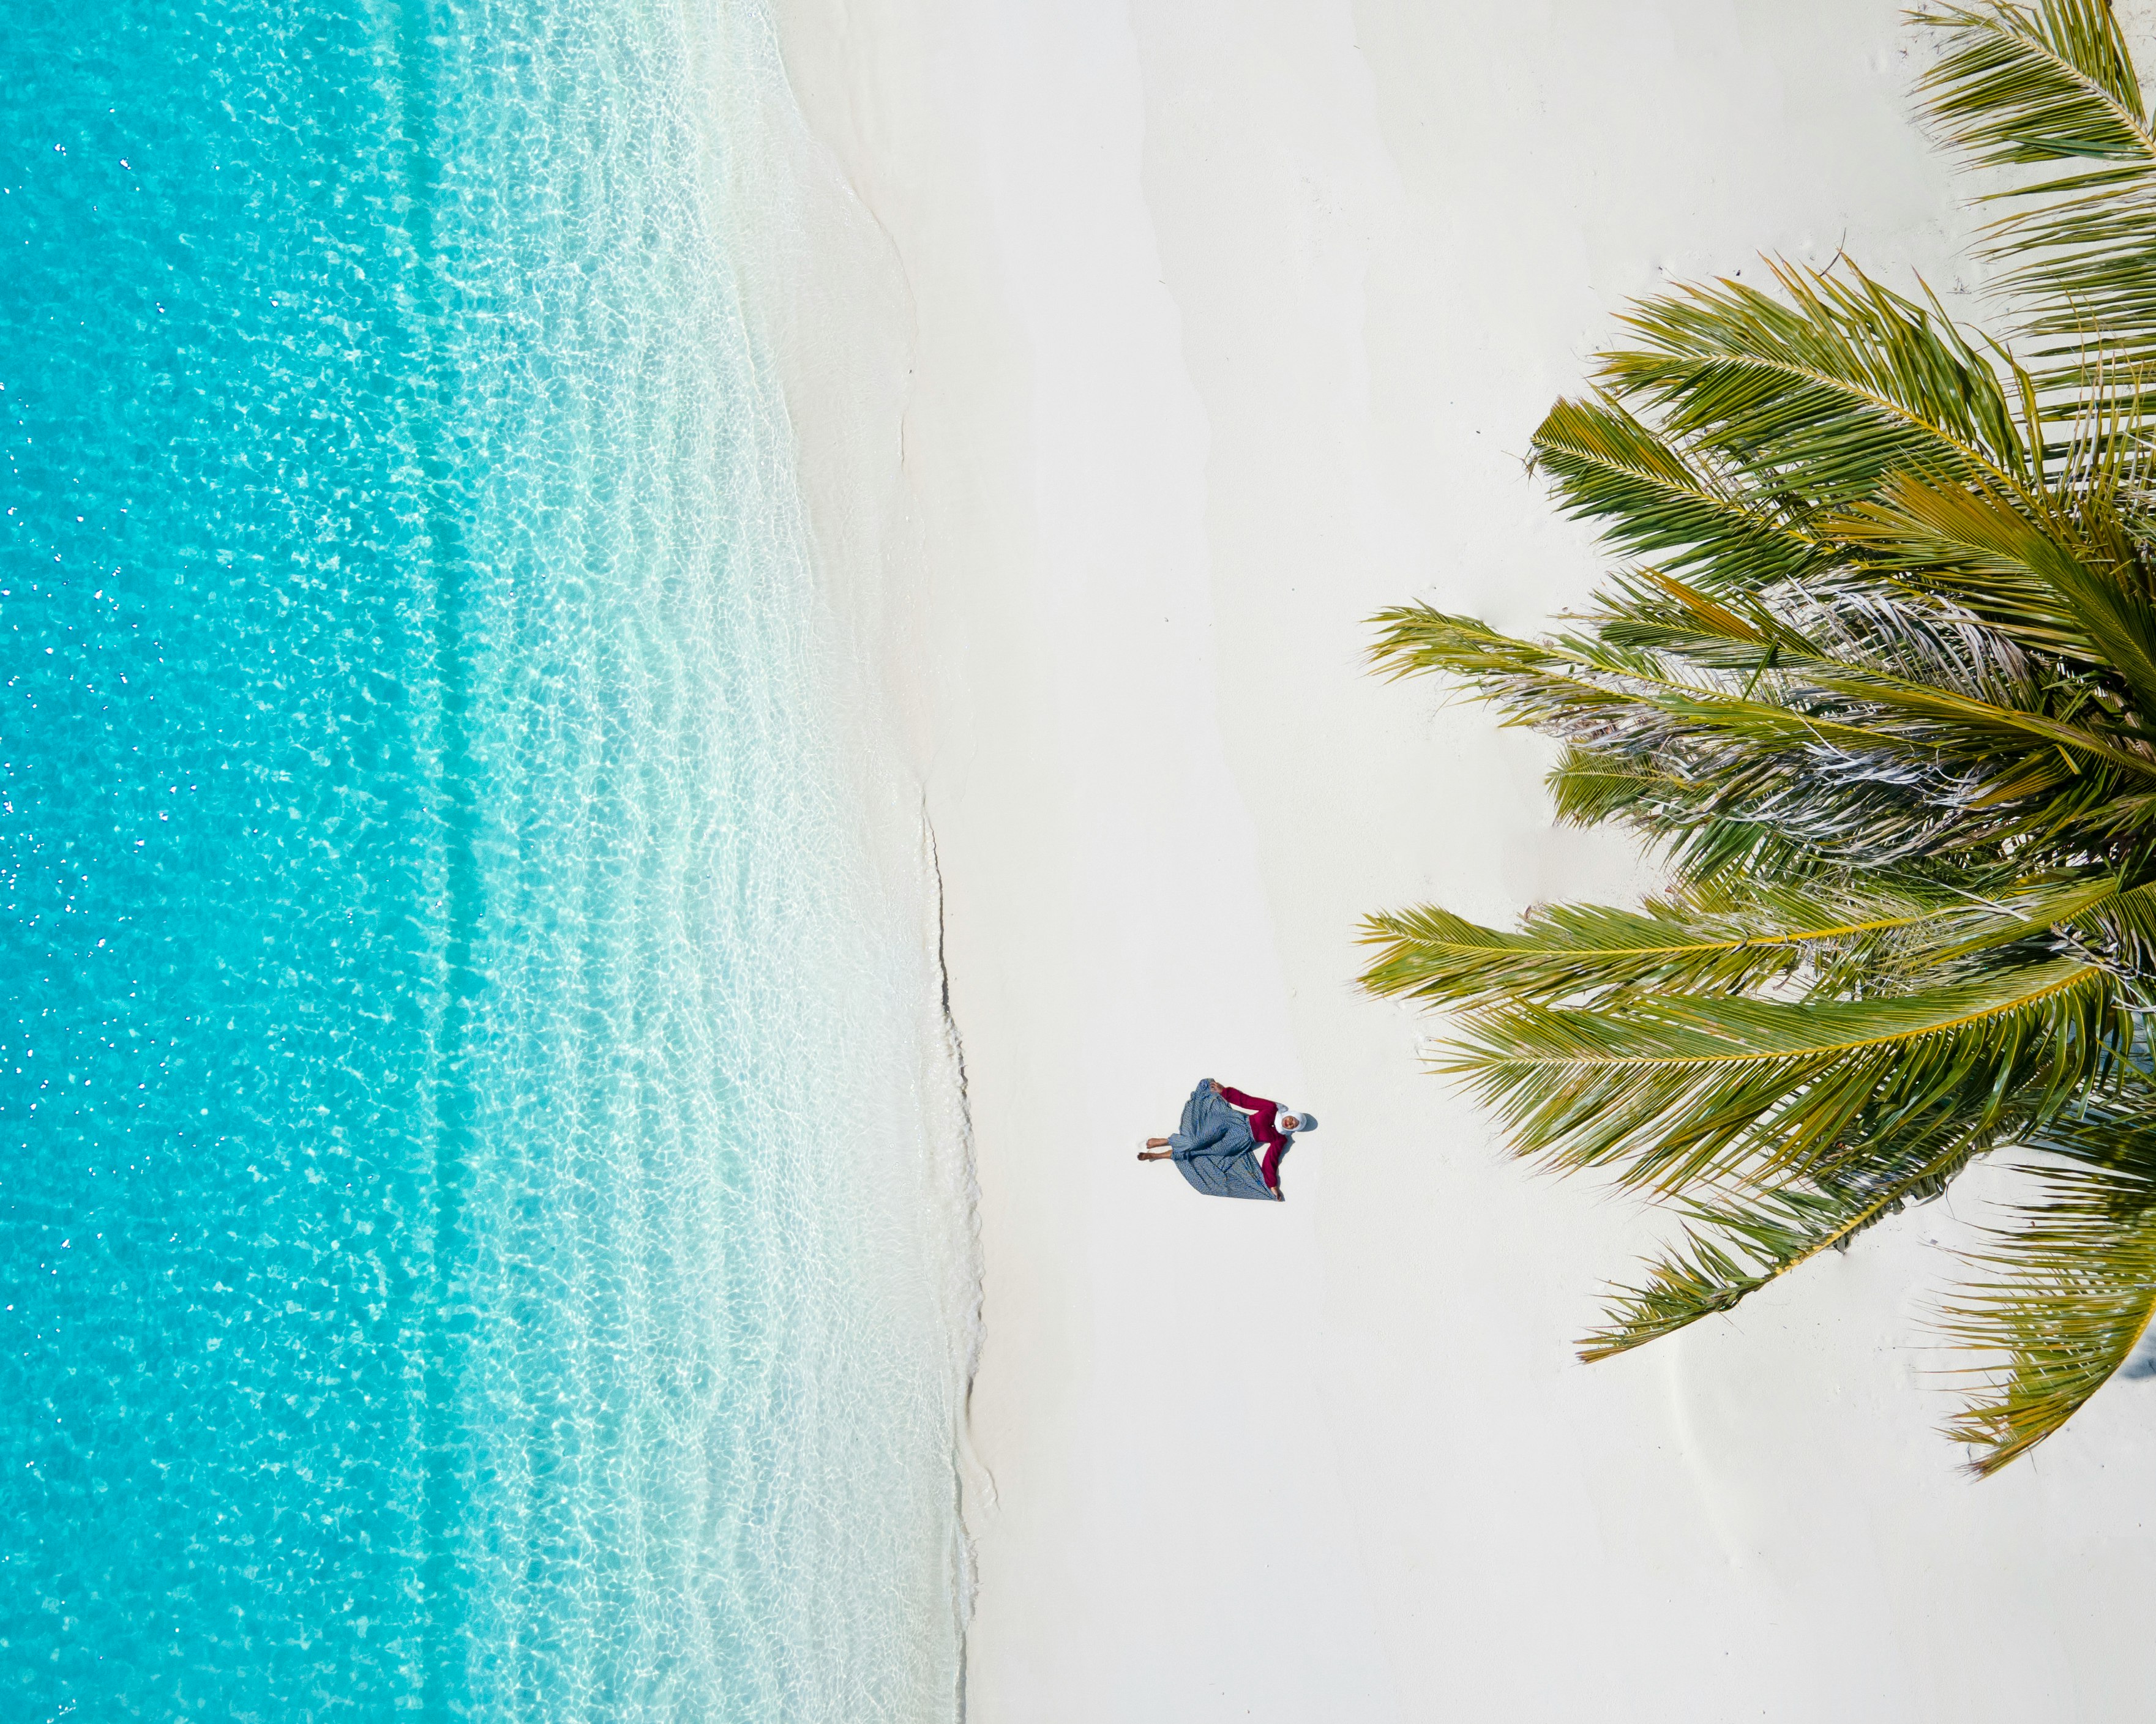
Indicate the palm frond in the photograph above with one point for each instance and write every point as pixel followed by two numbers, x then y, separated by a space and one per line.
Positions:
pixel 1714 940
pixel 2072 1287
pixel 2120 929
pixel 2019 85
pixel 1890 767
pixel 1699 835
pixel 1588 786
pixel 1814 397
pixel 1583 686
pixel 1680 1088
pixel 2055 83
pixel 1733 1246
pixel 1575 951
pixel 1653 499
pixel 2038 581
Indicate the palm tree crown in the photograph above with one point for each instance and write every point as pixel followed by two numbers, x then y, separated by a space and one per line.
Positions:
pixel 1876 682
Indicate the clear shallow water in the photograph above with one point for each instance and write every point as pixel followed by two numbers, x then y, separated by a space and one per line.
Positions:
pixel 471 1230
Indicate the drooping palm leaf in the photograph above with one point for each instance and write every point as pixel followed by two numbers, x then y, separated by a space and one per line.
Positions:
pixel 2072 1286
pixel 1734 1246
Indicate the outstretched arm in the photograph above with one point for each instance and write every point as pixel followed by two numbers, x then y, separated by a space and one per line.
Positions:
pixel 1262 1127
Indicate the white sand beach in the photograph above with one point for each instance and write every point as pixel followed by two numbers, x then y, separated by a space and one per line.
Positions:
pixel 1144 351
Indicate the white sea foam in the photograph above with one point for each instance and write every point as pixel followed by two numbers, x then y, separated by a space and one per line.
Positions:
pixel 717 1190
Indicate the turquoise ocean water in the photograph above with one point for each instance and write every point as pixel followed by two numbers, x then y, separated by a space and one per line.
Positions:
pixel 475 1236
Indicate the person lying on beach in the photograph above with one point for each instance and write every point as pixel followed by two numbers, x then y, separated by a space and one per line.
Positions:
pixel 1217 1149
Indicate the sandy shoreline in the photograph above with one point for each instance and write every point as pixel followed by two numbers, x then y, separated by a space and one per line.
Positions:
pixel 1137 358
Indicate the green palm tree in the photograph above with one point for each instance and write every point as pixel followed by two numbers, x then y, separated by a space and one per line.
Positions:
pixel 1876 682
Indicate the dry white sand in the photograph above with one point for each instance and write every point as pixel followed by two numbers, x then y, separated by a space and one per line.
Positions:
pixel 1139 354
